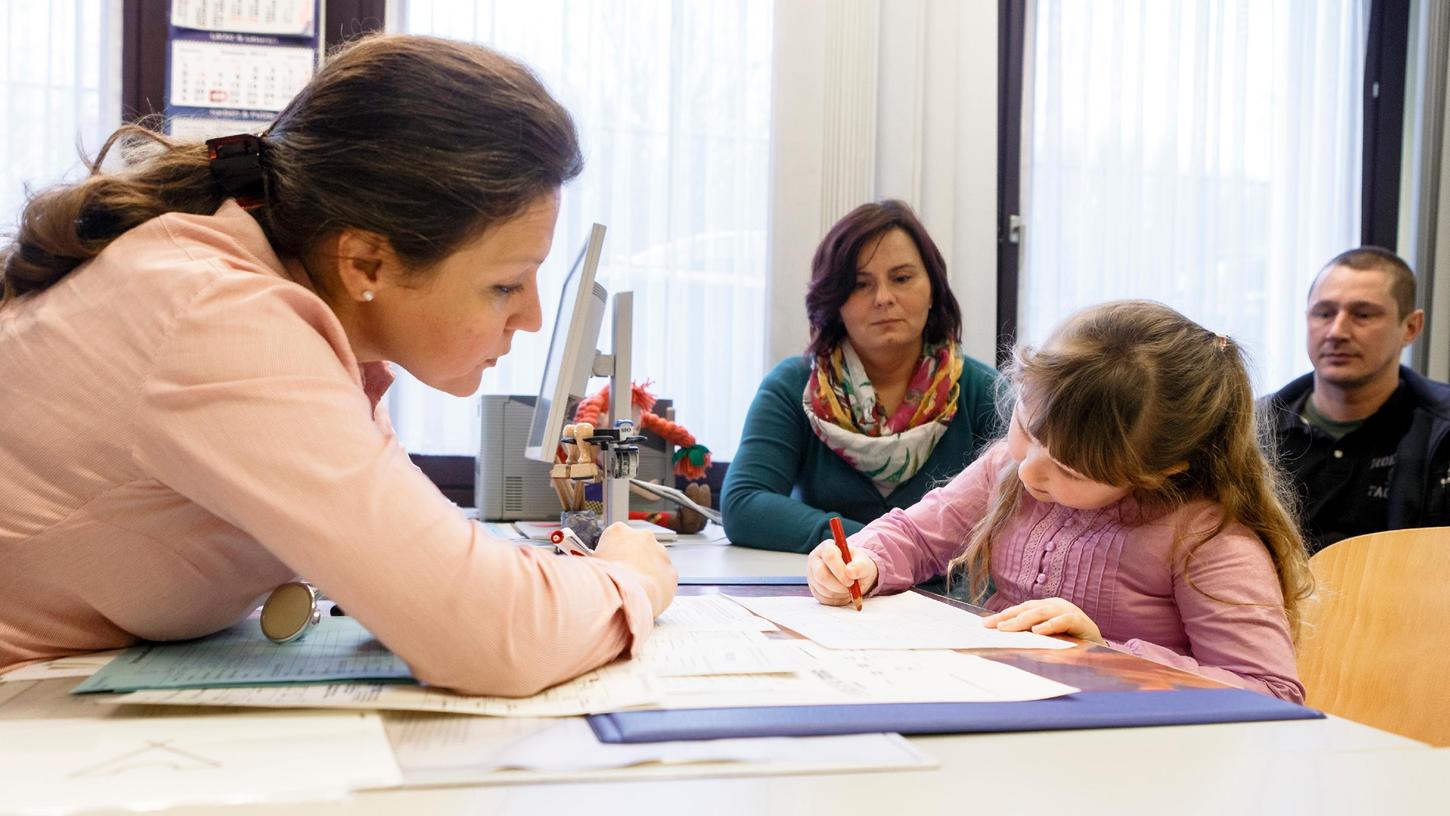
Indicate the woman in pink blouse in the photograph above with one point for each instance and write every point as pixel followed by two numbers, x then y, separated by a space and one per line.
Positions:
pixel 1130 504
pixel 192 352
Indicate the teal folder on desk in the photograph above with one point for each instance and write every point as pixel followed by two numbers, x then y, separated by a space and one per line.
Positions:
pixel 1084 709
pixel 337 649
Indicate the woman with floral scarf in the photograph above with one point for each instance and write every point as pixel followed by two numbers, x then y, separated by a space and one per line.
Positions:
pixel 880 408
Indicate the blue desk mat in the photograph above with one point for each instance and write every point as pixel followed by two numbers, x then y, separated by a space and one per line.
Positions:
pixel 1084 709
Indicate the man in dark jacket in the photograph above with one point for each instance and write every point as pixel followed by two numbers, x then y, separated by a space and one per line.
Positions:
pixel 1366 440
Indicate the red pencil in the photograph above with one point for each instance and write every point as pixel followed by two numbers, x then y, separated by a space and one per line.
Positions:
pixel 840 535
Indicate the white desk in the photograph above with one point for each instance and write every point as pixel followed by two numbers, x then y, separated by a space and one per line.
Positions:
pixel 708 554
pixel 1316 766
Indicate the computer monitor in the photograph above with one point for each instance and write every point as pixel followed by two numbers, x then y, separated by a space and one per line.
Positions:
pixel 571 350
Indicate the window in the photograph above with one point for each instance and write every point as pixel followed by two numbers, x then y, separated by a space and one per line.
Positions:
pixel 672 102
pixel 59 73
pixel 1203 154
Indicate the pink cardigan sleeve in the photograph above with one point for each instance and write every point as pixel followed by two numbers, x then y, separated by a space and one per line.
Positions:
pixel 1227 593
pixel 255 411
pixel 916 544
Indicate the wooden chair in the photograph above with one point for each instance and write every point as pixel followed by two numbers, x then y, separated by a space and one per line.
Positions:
pixel 1375 645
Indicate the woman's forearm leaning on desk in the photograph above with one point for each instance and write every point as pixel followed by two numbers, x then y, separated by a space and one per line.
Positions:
pixel 355 517
pixel 244 445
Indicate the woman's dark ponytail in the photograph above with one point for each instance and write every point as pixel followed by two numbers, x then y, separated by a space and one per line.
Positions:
pixel 67 225
pixel 425 142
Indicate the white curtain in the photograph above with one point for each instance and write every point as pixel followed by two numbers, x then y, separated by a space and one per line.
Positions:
pixel 672 102
pixel 1204 153
pixel 60 84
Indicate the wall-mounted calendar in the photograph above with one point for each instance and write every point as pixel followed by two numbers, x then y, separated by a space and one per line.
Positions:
pixel 233 64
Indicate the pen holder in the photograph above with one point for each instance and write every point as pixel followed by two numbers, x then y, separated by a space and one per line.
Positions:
pixel 585 524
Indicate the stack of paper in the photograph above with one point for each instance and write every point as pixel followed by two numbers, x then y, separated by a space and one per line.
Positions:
pixel 613 688
pixel 706 652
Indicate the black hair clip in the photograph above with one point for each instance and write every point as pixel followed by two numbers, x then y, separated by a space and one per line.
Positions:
pixel 96 225
pixel 236 164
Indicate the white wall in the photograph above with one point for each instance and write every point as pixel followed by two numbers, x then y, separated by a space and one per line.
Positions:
pixel 929 137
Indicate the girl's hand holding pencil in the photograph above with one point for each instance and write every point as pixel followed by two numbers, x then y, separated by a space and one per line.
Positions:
pixel 830 577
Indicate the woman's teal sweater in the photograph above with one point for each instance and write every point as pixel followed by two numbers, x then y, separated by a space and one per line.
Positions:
pixel 784 484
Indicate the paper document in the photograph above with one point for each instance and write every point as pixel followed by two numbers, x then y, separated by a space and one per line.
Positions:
pixel 613 688
pixel 81 665
pixel 679 652
pixel 705 612
pixel 906 621
pixel 842 677
pixel 337 648
pixel 49 700
pixel 58 767
pixel 435 749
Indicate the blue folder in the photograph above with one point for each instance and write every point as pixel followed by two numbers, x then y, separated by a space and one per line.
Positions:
pixel 743 580
pixel 1084 709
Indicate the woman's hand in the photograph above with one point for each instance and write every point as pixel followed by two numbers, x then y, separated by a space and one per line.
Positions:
pixel 1047 616
pixel 638 550
pixel 830 577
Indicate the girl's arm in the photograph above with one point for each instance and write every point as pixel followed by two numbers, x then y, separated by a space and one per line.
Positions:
pixel 254 412
pixel 916 544
pixel 1233 614
pixel 756 500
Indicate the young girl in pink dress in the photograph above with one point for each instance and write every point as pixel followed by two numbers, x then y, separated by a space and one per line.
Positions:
pixel 1129 504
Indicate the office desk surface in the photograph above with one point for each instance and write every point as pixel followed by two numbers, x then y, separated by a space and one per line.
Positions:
pixel 709 554
pixel 1329 766
pixel 1320 767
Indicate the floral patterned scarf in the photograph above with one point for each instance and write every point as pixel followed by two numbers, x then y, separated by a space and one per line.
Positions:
pixel 840 403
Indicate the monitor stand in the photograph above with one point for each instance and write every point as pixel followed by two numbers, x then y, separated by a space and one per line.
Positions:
pixel 618 444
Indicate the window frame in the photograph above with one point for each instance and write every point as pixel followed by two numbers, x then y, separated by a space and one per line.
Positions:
pixel 1383 128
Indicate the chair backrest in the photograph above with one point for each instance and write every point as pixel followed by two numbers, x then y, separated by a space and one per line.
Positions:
pixel 1375 645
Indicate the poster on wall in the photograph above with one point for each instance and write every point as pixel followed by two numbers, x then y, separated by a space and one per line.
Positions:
pixel 232 65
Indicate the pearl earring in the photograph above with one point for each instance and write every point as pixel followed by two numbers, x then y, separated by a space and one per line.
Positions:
pixel 367 295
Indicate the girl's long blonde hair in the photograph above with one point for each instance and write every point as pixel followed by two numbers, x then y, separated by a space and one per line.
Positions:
pixel 1128 391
